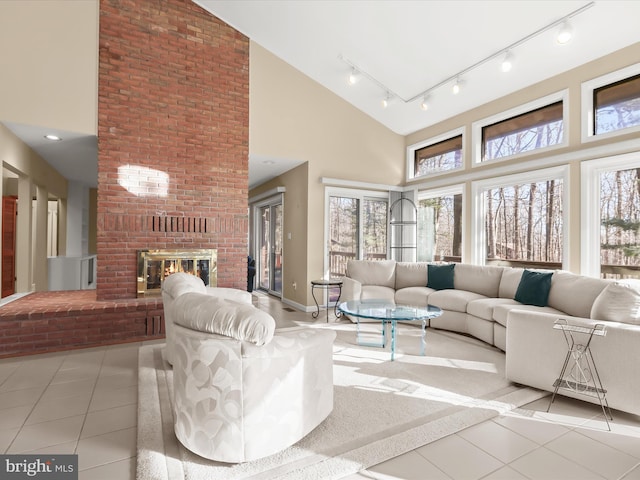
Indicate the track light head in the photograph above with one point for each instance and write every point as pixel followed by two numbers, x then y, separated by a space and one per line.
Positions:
pixel 354 76
pixel 565 33
pixel 456 87
pixel 386 100
pixel 507 62
pixel 424 105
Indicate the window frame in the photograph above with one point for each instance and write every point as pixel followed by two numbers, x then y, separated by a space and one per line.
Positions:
pixel 478 207
pixel 412 149
pixel 590 206
pixel 587 91
pixel 477 126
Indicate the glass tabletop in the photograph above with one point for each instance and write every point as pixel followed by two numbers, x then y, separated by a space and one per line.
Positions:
pixel 387 310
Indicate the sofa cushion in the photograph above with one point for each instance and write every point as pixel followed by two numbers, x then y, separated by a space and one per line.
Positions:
pixel 501 312
pixel 575 294
pixel 368 272
pixel 533 288
pixel 440 277
pixel 411 274
pixel 417 296
pixel 453 300
pixel 178 283
pixel 240 321
pixel 484 280
pixel 370 292
pixel 618 302
pixel 483 308
pixel 509 282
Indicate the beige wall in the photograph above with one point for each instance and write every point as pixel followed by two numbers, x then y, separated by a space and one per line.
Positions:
pixel 53 48
pixel 36 178
pixel 576 150
pixel 293 117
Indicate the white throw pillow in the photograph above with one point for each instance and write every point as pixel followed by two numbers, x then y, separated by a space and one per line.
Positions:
pixel 618 302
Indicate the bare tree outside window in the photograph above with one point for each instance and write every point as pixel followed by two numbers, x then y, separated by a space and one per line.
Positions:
pixel 438 157
pixel 617 106
pixel 620 223
pixel 530 131
pixel 440 228
pixel 524 224
pixel 346 217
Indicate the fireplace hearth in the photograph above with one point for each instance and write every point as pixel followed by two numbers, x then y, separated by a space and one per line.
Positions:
pixel 154 266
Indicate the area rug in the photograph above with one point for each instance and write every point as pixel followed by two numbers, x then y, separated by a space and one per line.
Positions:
pixel 382 409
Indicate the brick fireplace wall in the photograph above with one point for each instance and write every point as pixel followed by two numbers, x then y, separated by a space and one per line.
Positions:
pixel 173 132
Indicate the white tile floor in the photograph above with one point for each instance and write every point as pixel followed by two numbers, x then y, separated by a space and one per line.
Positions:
pixel 84 402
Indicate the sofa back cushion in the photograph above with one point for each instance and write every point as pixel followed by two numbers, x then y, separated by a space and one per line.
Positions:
pixel 618 302
pixel 381 273
pixel 178 283
pixel 484 280
pixel 240 321
pixel 411 274
pixel 509 282
pixel 574 294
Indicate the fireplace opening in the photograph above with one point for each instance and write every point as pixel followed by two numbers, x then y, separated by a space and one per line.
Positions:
pixel 154 266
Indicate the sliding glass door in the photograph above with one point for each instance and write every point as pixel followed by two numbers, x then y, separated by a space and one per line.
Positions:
pixel 269 255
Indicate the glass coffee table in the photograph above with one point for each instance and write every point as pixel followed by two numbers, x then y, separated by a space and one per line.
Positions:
pixel 388 312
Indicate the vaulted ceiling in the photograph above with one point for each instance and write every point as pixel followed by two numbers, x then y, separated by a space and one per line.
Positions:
pixel 403 48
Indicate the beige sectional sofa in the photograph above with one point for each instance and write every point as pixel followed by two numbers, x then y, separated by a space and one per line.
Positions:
pixel 481 303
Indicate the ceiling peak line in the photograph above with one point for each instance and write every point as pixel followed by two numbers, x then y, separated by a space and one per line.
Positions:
pixel 388 92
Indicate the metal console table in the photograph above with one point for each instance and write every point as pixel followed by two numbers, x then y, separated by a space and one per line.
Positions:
pixel 326 285
pixel 579 373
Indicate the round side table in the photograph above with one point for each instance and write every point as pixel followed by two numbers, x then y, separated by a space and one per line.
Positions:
pixel 326 285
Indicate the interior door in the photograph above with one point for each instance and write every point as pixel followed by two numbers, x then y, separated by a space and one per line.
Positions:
pixel 9 211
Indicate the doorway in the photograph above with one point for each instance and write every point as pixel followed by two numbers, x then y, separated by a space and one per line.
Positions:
pixel 9 211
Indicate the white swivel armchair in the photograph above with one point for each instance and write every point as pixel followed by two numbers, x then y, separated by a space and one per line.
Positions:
pixel 242 389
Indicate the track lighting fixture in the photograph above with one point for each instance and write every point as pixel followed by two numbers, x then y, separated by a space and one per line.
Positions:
pixel 565 33
pixel 563 37
pixel 507 62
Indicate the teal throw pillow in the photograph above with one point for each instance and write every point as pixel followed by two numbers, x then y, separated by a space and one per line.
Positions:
pixel 440 277
pixel 533 288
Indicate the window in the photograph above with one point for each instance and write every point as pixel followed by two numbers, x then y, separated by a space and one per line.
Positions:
pixel 440 226
pixel 611 217
pixel 526 129
pixel 441 154
pixel 611 104
pixel 357 228
pixel 620 223
pixel 522 219
pixel 617 106
pixel 529 131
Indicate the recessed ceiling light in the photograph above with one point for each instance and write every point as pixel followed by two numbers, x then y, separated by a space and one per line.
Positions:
pixel 53 138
